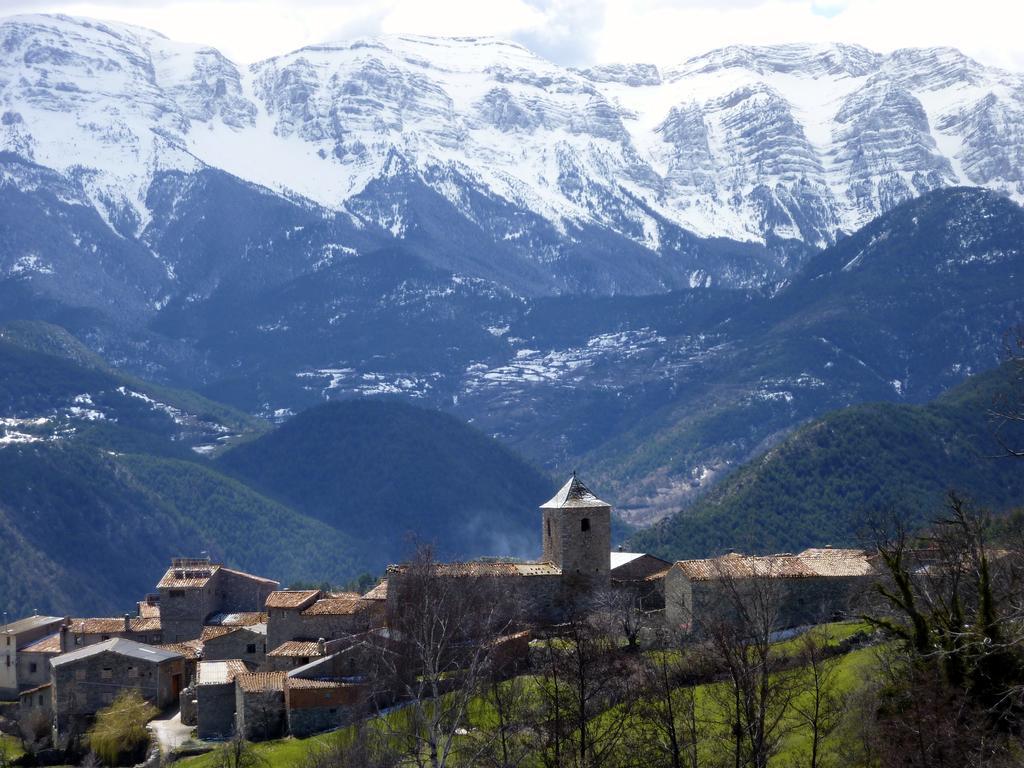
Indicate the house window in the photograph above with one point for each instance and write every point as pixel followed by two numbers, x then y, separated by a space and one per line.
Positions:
pixel 177 593
pixel 250 648
pixel 133 672
pixel 104 637
pixel 107 673
pixel 39 699
pixel 32 667
pixel 585 524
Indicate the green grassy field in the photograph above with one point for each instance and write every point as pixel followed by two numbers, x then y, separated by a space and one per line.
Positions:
pixel 851 671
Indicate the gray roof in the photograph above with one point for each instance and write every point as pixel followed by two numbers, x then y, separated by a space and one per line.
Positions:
pixel 28 623
pixel 121 647
pixel 574 494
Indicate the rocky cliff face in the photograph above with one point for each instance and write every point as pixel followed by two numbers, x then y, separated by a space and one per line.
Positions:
pixel 603 180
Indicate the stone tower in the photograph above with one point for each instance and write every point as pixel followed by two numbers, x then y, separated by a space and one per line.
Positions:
pixel 577 532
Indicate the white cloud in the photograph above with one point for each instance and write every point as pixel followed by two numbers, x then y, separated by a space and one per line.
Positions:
pixel 575 31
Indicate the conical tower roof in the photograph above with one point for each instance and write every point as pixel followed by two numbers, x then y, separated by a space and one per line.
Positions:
pixel 574 494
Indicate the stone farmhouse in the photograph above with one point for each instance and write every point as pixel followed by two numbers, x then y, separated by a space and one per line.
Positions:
pixel 88 679
pixel 239 654
pixel 813 586
pixel 193 589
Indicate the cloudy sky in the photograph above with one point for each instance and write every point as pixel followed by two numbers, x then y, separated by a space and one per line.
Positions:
pixel 575 32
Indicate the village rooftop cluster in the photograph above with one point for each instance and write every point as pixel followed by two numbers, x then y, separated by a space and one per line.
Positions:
pixel 238 654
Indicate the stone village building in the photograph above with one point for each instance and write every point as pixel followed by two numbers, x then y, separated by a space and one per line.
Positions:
pixel 239 653
pixel 88 679
pixel 195 588
pixel 14 637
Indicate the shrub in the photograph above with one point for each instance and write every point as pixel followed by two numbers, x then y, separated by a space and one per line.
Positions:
pixel 119 736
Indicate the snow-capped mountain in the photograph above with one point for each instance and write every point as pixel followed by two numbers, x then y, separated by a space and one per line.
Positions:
pixel 612 179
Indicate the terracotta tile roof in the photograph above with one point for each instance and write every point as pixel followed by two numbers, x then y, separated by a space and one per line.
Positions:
pixel 48 644
pixel 658 575
pixel 37 689
pixel 480 568
pixel 212 633
pixel 745 566
pixel 149 610
pixel 190 649
pixel 95 626
pixel 380 592
pixel 297 648
pixel 537 569
pixel 220 672
pixel 188 575
pixel 302 682
pixel 253 577
pixel 110 626
pixel 292 598
pixel 837 562
pixel 260 682
pixel 341 604
pixel 242 619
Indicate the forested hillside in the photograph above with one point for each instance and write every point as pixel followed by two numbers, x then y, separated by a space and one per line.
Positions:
pixel 105 477
pixel 838 476
pixel 382 470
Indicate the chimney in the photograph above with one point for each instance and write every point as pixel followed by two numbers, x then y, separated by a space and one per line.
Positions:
pixel 127 622
pixel 321 644
pixel 64 637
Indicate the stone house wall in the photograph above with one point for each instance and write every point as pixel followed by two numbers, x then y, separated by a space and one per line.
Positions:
pixel 237 645
pixel 183 610
pixel 319 709
pixel 260 715
pixel 215 710
pixel 284 624
pixel 238 592
pixel 84 686
pixel 803 601
pixel 9 645
pixel 33 669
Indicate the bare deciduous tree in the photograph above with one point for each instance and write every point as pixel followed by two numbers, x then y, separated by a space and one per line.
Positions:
pixel 817 706
pixel 740 628
pixel 440 654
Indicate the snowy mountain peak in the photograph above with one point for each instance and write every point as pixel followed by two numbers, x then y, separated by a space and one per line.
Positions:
pixel 764 144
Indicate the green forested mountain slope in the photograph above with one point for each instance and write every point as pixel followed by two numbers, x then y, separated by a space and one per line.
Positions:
pixel 899 311
pixel 382 470
pixel 88 532
pixel 100 485
pixel 834 478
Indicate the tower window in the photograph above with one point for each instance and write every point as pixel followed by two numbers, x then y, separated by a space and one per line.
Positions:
pixel 549 528
pixel 585 524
